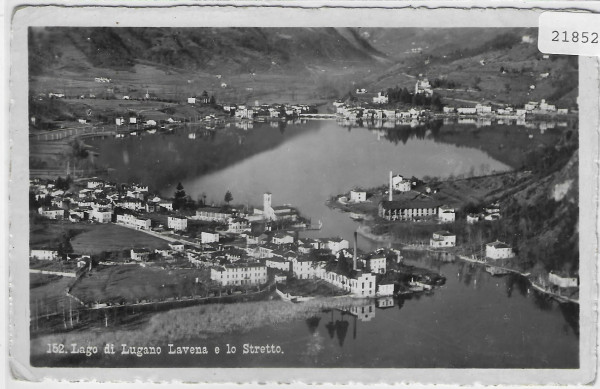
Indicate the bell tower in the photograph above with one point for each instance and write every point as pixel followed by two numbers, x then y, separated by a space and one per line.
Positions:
pixel 266 201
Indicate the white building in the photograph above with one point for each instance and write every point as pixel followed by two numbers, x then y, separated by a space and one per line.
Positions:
pixel 407 210
pixel 467 110
pixel 212 214
pixel 306 267
pixel 52 213
pixel 527 39
pixel 472 218
pixel 498 250
pixel 93 184
pixel 101 216
pixel 381 98
pixel 386 289
pixel 140 254
pixel 336 244
pixel 177 223
pixel 134 221
pixel 483 109
pixel 282 238
pixel 177 246
pixel 449 109
pixel 547 107
pixel 442 239
pixel 191 100
pixel 238 225
pixel 446 214
pixel 278 263
pixel 358 283
pixel 44 254
pixel 358 196
pixel 400 184
pixel 562 281
pixel 376 264
pixel 209 237
pixel 423 87
pixel 239 274
pixel 244 113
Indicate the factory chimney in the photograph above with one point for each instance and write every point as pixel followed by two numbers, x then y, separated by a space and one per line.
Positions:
pixel 354 256
pixel 390 190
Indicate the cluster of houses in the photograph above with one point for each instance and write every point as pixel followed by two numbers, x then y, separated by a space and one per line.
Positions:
pixel 353 113
pixel 493 250
pixel 266 111
pixel 98 201
pixel 489 213
pixel 281 251
pixel 306 258
pixel 424 87
pixel 531 108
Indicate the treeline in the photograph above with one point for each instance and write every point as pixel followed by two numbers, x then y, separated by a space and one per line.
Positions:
pixel 403 96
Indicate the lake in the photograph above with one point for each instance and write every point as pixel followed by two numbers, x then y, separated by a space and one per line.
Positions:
pixel 474 320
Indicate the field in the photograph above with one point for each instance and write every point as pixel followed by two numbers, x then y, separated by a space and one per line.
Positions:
pixel 44 232
pixel 47 293
pixel 112 237
pixel 321 288
pixel 133 283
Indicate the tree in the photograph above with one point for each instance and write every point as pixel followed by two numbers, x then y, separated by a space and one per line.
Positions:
pixel 228 197
pixel 64 247
pixel 180 197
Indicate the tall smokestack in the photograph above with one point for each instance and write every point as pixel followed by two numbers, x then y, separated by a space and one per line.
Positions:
pixel 354 256
pixel 390 189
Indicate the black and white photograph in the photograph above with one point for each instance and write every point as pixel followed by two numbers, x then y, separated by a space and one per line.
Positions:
pixel 302 197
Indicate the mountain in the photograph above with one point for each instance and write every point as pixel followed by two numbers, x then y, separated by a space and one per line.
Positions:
pixel 227 49
pixel 474 65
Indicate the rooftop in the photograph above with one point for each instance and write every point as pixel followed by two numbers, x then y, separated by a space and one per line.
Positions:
pixel 409 204
pixel 444 233
pixel 499 245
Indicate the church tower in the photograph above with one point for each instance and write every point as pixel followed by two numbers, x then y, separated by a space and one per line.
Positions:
pixel 266 201
pixel 268 211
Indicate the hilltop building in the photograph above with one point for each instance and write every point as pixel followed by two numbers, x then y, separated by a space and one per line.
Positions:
pixel 423 87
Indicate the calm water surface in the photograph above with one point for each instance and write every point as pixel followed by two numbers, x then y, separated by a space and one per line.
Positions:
pixel 475 320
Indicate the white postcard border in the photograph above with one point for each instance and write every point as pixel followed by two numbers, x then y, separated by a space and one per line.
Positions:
pixel 278 16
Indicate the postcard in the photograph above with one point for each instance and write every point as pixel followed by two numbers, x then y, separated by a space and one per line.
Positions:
pixel 314 194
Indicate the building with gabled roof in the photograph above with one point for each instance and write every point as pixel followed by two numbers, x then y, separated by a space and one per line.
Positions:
pixel 498 250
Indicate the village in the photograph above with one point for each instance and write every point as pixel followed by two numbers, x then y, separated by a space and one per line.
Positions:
pixel 233 249
pixel 380 113
pixel 433 206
